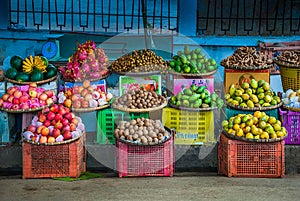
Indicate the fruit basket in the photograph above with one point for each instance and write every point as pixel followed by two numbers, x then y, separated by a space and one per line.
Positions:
pixel 192 109
pixel 253 108
pixel 190 75
pixel 36 69
pixel 25 110
pixel 89 109
pixel 238 158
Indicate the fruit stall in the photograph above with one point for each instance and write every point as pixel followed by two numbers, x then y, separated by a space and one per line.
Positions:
pixel 47 101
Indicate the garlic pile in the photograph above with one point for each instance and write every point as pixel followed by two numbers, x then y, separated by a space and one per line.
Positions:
pixel 291 98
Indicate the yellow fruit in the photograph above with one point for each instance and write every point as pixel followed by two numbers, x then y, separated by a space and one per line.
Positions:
pixel 225 123
pixel 260 131
pixel 264 135
pixel 272 120
pixel 250 103
pixel 280 134
pixel 257 137
pixel 254 98
pixel 245 85
pixel 268 98
pixel 249 122
pixel 237 120
pixel 283 129
pixel 254 130
pixel 278 122
pixel 257 114
pixel 249 135
pixel 276 127
pixel 255 120
pixel 247 129
pixel 245 118
pixel 236 127
pixel 239 132
pixel 242 125
pixel 231 131
pixel 262 124
pixel 264 118
pixel 273 135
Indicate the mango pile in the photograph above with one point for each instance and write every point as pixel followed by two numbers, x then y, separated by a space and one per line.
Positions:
pixel 253 94
pixel 192 62
pixel 256 126
pixel 196 97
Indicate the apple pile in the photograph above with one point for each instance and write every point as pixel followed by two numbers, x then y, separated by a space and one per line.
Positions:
pixel 88 62
pixel 27 97
pixel 54 124
pixel 85 96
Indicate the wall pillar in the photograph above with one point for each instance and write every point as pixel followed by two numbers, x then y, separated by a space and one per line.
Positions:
pixel 4 17
pixel 187 17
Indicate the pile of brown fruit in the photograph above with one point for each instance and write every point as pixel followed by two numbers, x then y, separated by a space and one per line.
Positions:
pixel 139 61
pixel 139 99
pixel 292 57
pixel 142 131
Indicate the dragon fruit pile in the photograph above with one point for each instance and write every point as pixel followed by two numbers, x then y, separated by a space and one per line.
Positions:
pixel 88 62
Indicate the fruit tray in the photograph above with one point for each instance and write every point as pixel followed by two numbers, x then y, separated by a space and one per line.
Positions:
pixel 23 110
pixel 193 75
pixel 248 68
pixel 54 143
pixel 38 82
pixel 285 64
pixel 253 108
pixel 165 103
pixel 63 160
pixel 89 109
pixel 252 139
pixel 139 73
pixel 291 108
pixel 192 109
pixel 250 159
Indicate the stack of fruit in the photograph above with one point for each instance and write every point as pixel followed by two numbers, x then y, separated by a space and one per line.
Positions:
pixel 88 62
pixel 256 126
pixel 27 97
pixel 85 96
pixel 30 69
pixel 291 98
pixel 54 124
pixel 196 97
pixel 192 62
pixel 255 94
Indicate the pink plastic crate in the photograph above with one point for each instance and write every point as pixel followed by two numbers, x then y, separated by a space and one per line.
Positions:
pixel 148 160
pixel 291 121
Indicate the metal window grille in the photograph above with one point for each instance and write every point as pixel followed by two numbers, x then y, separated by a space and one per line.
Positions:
pixel 105 16
pixel 248 17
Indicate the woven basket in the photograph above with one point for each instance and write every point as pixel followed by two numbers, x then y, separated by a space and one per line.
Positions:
pixel 253 108
pixel 89 109
pixel 291 108
pixel 139 73
pixel 24 111
pixel 248 68
pixel 38 82
pixel 192 109
pixel 252 140
pixel 94 79
pixel 193 75
pixel 290 75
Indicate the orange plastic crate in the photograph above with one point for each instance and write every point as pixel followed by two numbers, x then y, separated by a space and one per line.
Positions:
pixel 250 159
pixel 145 160
pixel 49 161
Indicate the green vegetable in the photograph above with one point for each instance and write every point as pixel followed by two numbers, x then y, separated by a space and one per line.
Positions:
pixel 201 89
pixel 185 103
pixel 207 100
pixel 193 87
pixel 22 77
pixel 51 72
pixel 187 91
pixel 185 97
pixel 214 96
pixel 36 75
pixel 194 97
pixel 11 73
pixel 16 62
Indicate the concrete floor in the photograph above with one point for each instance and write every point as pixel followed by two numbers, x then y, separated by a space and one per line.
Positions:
pixel 183 186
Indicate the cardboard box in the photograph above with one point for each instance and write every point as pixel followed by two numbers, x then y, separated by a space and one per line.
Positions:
pixel 179 84
pixel 239 76
pixel 151 82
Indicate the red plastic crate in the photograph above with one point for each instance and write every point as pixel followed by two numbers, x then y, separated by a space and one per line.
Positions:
pixel 291 121
pixel 49 161
pixel 250 159
pixel 145 160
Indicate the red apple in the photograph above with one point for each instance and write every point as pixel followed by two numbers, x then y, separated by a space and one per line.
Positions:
pixel 58 117
pixel 75 97
pixel 1 102
pixel 53 122
pixel 88 97
pixel 75 121
pixel 68 93
pixel 43 139
pixel 90 89
pixel 42 118
pixel 17 94
pixel 31 128
pixel 80 88
pixel 10 98
pixel 86 83
pixel 84 92
pixel 15 107
pixel 32 93
pixel 5 97
pixel 72 127
pixel 56 132
pixel 51 116
pixel 58 125
pixel 75 90
pixel 76 104
pixel 45 110
pixel 68 116
pixel 24 106
pixel 51 139
pixel 33 138
pixel 23 99
pixel 67 135
pixel 42 103
pixel 16 101
pixel 39 129
pixel 65 121
pixel 67 102
pixel 43 96
pixel 49 93
pixel 45 131
pixel 47 123
pixel 54 108
pixel 62 111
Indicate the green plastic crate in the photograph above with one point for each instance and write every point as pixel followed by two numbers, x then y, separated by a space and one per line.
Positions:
pixel 108 119
pixel 230 112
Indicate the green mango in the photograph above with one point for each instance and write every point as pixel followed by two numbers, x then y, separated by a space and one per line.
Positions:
pixel 232 90
pixel 253 83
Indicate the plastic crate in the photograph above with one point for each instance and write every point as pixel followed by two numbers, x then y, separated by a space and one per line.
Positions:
pixel 147 160
pixel 290 78
pixel 250 159
pixel 291 121
pixel 49 161
pixel 271 50
pixel 4 128
pixel 108 119
pixel 192 128
pixel 230 112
